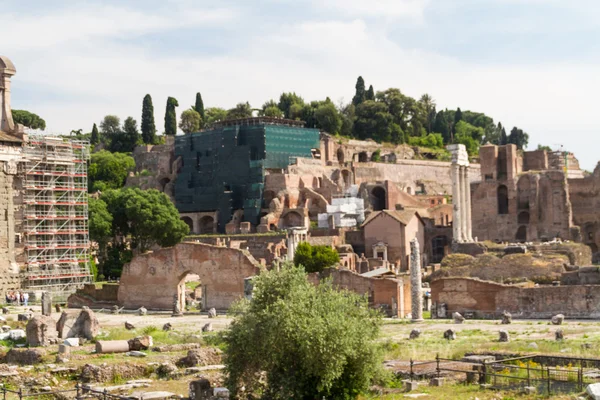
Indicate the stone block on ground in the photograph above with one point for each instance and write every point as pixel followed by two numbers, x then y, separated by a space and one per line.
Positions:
pixel 593 390
pixel 41 331
pixel 437 382
pixel 212 313
pixel 207 327
pixel 142 311
pixel 24 317
pixel 410 385
pixel 16 334
pixel 64 349
pixel 46 304
pixel 200 389
pixel 458 319
pixel 140 343
pixel 71 342
pixel 202 356
pixel 559 334
pixel 6 328
pixel 114 309
pixel 506 318
pixel 85 324
pixel 503 336
pixel 112 346
pixel 24 356
pixel 135 353
pixel 129 326
pixel 450 335
pixel 5 310
pixel 557 319
pixel 414 334
pixel 167 327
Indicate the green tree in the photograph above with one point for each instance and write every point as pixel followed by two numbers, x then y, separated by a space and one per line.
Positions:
pixel 328 118
pixel 147 217
pixel 109 128
pixel 360 95
pixel 286 101
pixel 315 258
pixel 503 136
pixel 190 121
pixel 148 126
pixel 199 107
pixel 95 139
pixel 374 121
pixel 28 119
pixel 270 109
pixel 348 113
pixel 100 224
pixel 458 116
pixel 109 170
pixel 171 117
pixel 546 148
pixel 241 110
pixel 468 135
pixel 428 104
pixel 214 114
pixel 296 340
pixel 125 139
pixel 376 156
pixel 370 93
pixel 518 137
pixel 406 112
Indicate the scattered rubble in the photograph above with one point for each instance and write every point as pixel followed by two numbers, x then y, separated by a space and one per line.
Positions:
pixel 458 319
pixel 557 319
pixel 450 335
pixel 503 336
pixel 506 318
pixel 41 331
pixel 414 334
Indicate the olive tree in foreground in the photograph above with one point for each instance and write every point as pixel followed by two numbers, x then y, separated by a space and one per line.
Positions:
pixel 295 340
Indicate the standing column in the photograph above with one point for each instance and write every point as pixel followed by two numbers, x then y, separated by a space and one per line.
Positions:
pixel 456 206
pixel 467 195
pixel 463 200
pixel 415 282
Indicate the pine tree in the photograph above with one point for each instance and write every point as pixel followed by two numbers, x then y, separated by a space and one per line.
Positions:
pixel 370 93
pixel 361 94
pixel 95 136
pixel 148 127
pixel 199 107
pixel 171 117
pixel 458 116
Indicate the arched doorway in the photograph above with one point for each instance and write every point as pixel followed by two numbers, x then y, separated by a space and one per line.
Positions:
pixel 363 156
pixel 164 182
pixel 190 291
pixel 340 155
pixel 206 225
pixel 521 235
pixel 378 198
pixel 292 219
pixel 189 222
pixel 502 200
pixel 523 217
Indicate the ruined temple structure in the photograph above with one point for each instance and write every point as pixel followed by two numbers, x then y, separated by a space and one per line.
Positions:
pixel 534 196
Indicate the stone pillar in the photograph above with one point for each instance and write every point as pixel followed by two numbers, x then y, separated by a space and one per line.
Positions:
pixel 46 304
pixel 456 204
pixel 463 205
pixel 177 312
pixel 467 211
pixel 415 281
pixel 294 237
pixel 7 70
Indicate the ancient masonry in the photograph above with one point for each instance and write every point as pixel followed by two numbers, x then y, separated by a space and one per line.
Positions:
pixel 415 281
pixel 461 194
pixel 44 241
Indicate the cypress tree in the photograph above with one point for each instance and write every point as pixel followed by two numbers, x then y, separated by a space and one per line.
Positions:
pixel 95 137
pixel 148 127
pixel 199 107
pixel 370 93
pixel 457 116
pixel 171 117
pixel 361 94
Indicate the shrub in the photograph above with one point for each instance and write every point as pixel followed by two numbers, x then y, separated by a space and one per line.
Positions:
pixel 315 258
pixel 297 340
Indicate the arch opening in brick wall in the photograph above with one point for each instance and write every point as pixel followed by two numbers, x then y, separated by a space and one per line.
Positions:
pixel 523 217
pixel 189 222
pixel 207 224
pixel 521 235
pixel 378 198
pixel 502 195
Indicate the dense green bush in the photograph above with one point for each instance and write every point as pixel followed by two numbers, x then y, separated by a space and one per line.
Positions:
pixel 315 258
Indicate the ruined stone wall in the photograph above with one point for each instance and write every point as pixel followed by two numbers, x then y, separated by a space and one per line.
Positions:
pixel 267 247
pixel 155 168
pixel 411 174
pixel 585 202
pixel 488 298
pixel 152 279
pixel 382 292
pixel 10 250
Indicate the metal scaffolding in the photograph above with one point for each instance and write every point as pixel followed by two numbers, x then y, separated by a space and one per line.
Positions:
pixel 55 215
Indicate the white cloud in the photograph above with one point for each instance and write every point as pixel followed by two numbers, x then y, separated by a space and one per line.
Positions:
pixel 95 75
pixel 375 8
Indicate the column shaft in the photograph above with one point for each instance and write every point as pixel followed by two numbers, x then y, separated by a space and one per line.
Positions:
pixel 415 281
pixel 469 231
pixel 456 204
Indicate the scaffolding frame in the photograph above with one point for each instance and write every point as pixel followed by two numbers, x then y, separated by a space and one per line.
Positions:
pixel 55 215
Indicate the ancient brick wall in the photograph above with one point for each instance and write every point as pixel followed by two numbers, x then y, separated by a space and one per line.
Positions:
pixel 267 247
pixel 383 293
pixel 153 279
pixel 9 201
pixel 491 299
pixel 585 202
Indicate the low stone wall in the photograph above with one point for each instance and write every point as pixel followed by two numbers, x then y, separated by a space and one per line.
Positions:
pixel 390 295
pixel 264 247
pixel 490 299
pixel 94 297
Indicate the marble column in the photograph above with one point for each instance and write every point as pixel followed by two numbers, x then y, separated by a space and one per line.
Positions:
pixel 456 203
pixel 467 210
pixel 415 282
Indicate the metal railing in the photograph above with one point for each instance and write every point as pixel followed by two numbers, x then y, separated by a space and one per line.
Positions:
pixel 81 392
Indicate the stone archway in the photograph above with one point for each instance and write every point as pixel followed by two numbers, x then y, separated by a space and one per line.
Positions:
pixel 189 222
pixel 207 224
pixel 521 235
pixel 363 156
pixel 152 280
pixel 293 218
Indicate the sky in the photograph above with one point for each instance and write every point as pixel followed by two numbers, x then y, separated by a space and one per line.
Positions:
pixel 534 64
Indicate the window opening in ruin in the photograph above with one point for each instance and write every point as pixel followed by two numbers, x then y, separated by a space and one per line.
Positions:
pixel 521 235
pixel 438 248
pixel 206 225
pixel 502 167
pixel 293 219
pixel 164 182
pixel 363 156
pixel 188 221
pixel 378 199
pixel 190 291
pixel 523 217
pixel 340 155
pixel 502 199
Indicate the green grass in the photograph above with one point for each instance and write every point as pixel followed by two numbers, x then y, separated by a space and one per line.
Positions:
pixel 159 336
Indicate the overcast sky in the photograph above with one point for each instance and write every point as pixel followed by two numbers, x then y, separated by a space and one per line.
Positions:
pixel 534 64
